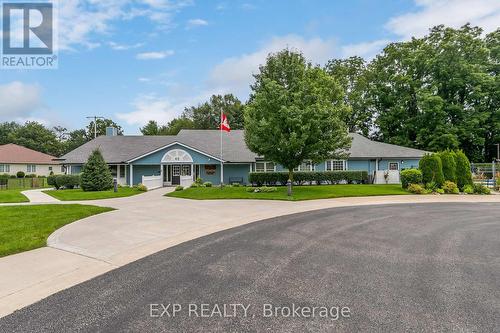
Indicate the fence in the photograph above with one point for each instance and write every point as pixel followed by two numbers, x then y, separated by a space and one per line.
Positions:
pixel 22 183
pixel 152 182
pixel 485 173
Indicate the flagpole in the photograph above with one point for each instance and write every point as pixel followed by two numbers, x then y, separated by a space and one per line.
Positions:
pixel 221 161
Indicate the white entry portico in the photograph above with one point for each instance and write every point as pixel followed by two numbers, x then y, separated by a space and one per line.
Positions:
pixel 178 168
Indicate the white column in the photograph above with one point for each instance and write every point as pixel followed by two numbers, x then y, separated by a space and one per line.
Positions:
pixel 118 176
pixel 192 172
pixel 131 175
pixel 161 174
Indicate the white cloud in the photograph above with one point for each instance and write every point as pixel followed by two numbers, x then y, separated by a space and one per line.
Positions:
pixel 452 13
pixel 157 55
pixel 80 22
pixel 160 108
pixel 366 50
pixel 144 79
pixel 196 23
pixel 19 100
pixel 123 47
pixel 235 73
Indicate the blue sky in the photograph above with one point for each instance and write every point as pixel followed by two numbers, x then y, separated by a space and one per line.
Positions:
pixel 135 60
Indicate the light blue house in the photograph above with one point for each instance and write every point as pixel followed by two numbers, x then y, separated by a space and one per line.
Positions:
pixel 178 160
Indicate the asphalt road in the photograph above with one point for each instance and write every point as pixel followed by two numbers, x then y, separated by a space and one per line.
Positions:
pixel 394 268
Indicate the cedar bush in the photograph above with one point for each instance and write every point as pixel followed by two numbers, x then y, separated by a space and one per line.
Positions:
pixel 449 165
pixel 95 174
pixel 432 169
pixel 411 176
pixel 330 177
pixel 464 175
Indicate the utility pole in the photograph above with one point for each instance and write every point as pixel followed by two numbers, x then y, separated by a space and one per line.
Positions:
pixel 95 123
pixel 498 151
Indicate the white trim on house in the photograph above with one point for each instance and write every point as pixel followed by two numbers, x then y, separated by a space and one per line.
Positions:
pixel 393 162
pixel 176 156
pixel 265 166
pixel 172 144
pixel 344 165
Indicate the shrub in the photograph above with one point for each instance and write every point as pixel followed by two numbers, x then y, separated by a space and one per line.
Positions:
pixel 179 188
pixel 416 189
pixel 31 175
pixel 262 189
pixel 463 173
pixel 142 188
pixel 410 176
pixel 431 186
pixel 20 174
pixel 440 191
pixel 469 189
pixel 432 169
pixel 199 181
pixel 481 189
pixel 95 173
pixel 449 165
pixel 330 177
pixel 235 184
pixel 207 184
pixel 66 181
pixel 450 187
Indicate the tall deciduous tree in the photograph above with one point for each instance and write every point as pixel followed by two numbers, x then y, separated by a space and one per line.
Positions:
pixel 351 73
pixel 35 136
pixel 439 92
pixel 295 113
pixel 207 115
pixel 102 124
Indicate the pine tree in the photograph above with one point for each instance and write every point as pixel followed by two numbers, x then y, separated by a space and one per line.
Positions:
pixel 95 174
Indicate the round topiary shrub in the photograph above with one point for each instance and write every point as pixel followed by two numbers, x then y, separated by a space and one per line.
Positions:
pixel 432 169
pixel 464 175
pixel 95 174
pixel 20 174
pixel 142 188
pixel 411 176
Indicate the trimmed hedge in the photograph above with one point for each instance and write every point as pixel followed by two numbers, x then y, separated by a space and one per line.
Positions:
pixel 330 177
pixel 464 175
pixel 411 176
pixel 66 181
pixel 432 169
pixel 449 165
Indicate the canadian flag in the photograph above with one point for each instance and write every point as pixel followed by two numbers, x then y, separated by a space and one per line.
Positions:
pixel 224 124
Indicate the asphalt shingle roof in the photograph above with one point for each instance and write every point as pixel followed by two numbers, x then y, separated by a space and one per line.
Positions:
pixel 119 149
pixel 15 154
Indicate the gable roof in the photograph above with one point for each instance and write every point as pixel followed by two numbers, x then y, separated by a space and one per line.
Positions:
pixel 15 154
pixel 363 147
pixel 122 149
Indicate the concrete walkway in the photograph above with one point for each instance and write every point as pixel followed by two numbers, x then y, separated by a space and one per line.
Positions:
pixel 145 224
pixel 37 196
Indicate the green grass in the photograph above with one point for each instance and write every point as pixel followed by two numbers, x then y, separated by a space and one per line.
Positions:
pixel 79 194
pixel 299 192
pixel 10 196
pixel 24 228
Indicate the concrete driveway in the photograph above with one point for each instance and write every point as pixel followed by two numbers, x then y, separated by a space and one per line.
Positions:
pixel 394 268
pixel 142 225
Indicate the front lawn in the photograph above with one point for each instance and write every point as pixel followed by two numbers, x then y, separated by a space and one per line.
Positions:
pixel 79 194
pixel 10 196
pixel 24 228
pixel 299 192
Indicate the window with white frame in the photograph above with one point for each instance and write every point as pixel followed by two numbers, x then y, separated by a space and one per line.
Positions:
pixel 4 168
pixel 265 167
pixel 31 168
pixel 393 166
pixel 336 165
pixel 305 166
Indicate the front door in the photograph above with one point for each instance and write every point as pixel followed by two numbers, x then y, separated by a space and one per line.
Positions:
pixel 176 174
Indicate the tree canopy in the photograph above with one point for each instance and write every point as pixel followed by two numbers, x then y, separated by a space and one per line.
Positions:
pixel 295 112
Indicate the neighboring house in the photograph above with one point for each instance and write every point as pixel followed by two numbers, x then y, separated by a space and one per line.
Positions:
pixel 180 159
pixel 14 158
